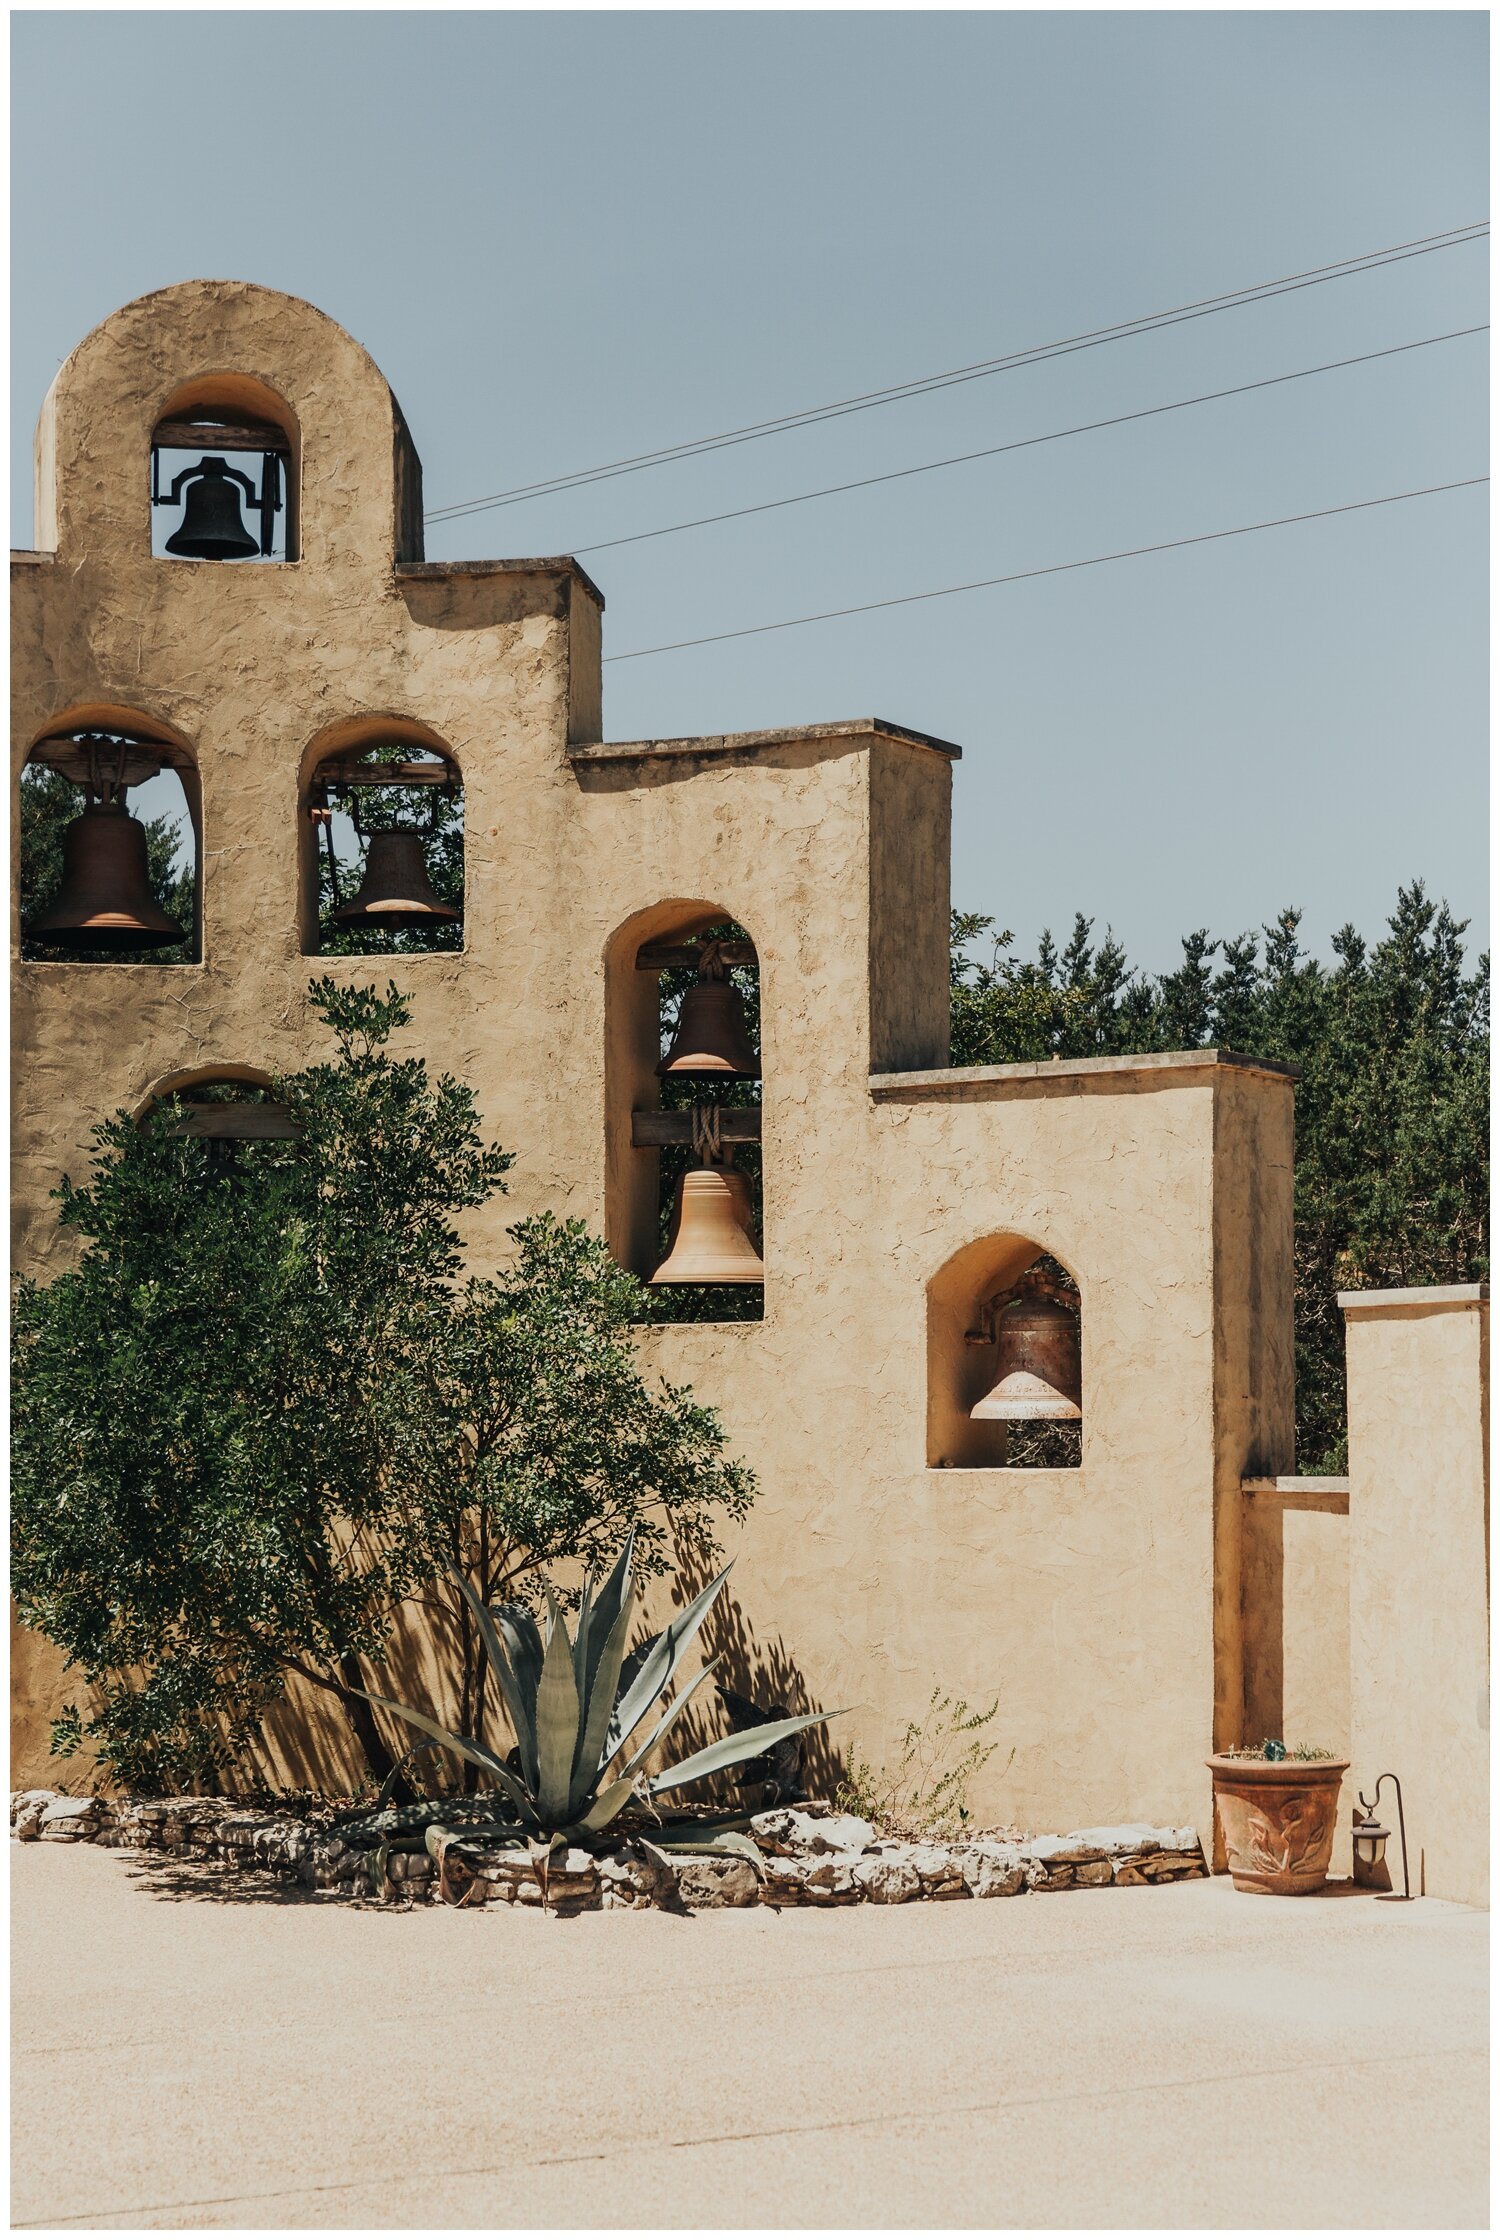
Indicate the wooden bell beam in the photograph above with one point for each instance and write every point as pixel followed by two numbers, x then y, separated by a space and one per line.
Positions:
pixel 658 956
pixel 653 1131
pixel 237 1123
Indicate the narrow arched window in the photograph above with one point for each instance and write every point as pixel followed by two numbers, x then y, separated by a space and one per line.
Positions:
pixel 1004 1360
pixel 224 474
pixel 109 850
pixel 685 1198
pixel 387 825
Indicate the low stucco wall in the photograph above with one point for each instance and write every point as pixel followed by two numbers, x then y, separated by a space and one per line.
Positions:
pixel 1419 1572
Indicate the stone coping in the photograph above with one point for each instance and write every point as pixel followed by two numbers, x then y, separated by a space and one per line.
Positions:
pixel 1153 1068
pixel 20 559
pixel 1331 1494
pixel 1422 1298
pixel 810 1855
pixel 747 742
pixel 560 564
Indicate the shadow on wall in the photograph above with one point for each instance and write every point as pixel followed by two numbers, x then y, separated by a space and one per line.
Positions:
pixel 764 1672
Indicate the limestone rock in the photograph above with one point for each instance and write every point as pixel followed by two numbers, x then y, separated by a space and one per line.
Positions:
pixel 791 1832
pixel 704 1881
pixel 888 1881
pixel 67 1819
pixel 1093 1873
pixel 990 1873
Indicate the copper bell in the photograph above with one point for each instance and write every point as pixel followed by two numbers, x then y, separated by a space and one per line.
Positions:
pixel 395 892
pixel 105 900
pixel 711 1036
pixel 710 1236
pixel 1039 1374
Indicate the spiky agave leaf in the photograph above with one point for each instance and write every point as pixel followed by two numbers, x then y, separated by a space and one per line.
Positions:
pixel 733 1750
pixel 594 1727
pixel 662 1658
pixel 668 1719
pixel 463 1746
pixel 557 1725
pixel 519 1708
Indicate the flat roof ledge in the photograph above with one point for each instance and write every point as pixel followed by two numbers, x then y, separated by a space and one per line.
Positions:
pixel 1421 1298
pixel 1153 1068
pixel 747 742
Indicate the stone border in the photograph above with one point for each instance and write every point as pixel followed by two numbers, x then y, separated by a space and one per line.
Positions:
pixel 812 1856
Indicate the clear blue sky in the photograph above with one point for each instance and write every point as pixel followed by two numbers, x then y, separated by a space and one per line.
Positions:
pixel 566 238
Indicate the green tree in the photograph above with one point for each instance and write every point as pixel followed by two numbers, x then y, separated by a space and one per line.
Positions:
pixel 49 803
pixel 1392 1174
pixel 267 1406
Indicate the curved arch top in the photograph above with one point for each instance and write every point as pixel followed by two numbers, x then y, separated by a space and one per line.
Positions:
pixel 224 340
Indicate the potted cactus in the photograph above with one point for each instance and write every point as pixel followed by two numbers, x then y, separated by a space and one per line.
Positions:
pixel 1278 1808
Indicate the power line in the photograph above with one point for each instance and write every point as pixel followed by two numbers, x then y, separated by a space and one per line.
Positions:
pixel 1059 568
pixel 1025 443
pixel 1345 268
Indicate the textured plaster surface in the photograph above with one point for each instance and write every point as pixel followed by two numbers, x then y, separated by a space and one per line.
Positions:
pixel 1419 1574
pixel 1182 2058
pixel 1103 1606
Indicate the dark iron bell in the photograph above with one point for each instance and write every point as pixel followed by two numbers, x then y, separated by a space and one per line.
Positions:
pixel 212 525
pixel 1039 1376
pixel 395 892
pixel 711 1036
pixel 105 900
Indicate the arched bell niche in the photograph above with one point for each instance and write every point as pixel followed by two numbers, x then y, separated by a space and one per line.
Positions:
pixel 683 1088
pixel 968 1355
pixel 225 473
pixel 110 820
pixel 382 841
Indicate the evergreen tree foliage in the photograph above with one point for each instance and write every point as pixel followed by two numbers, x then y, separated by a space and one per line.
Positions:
pixel 266 1406
pixel 1392 1172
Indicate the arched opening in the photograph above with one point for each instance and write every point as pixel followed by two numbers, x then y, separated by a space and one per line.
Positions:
pixel 231 1111
pixel 109 812
pixel 382 841
pixel 225 473
pixel 1004 1360
pixel 685 1184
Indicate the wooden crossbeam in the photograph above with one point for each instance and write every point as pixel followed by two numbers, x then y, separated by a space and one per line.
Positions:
pixel 214 437
pixel 656 956
pixel 238 1123
pixel 650 1131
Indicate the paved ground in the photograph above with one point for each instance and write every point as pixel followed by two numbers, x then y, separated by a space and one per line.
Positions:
pixel 1177 2057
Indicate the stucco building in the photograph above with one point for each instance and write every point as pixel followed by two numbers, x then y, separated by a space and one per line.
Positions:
pixel 1130 1613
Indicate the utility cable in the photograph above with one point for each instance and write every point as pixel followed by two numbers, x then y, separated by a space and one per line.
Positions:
pixel 1058 568
pixel 1025 443
pixel 1038 353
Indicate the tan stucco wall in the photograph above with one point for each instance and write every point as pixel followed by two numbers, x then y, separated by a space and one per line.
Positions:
pixel 1419 1572
pixel 1103 1605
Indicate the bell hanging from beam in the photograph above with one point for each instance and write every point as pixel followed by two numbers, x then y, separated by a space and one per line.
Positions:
pixel 395 894
pixel 710 1235
pixel 1039 1376
pixel 105 900
pixel 212 525
pixel 711 1035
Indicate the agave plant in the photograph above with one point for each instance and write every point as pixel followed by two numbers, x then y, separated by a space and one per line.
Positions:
pixel 586 1716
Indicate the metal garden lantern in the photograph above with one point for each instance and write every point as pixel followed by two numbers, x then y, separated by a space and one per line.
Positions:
pixel 1370 1840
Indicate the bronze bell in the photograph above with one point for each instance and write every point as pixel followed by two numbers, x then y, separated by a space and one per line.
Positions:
pixel 212 526
pixel 710 1236
pixel 395 892
pixel 105 900
pixel 1039 1376
pixel 711 1036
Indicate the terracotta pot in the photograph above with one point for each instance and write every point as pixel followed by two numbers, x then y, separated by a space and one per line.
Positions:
pixel 1278 1818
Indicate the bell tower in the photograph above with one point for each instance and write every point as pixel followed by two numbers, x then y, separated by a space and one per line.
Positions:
pixel 229 585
